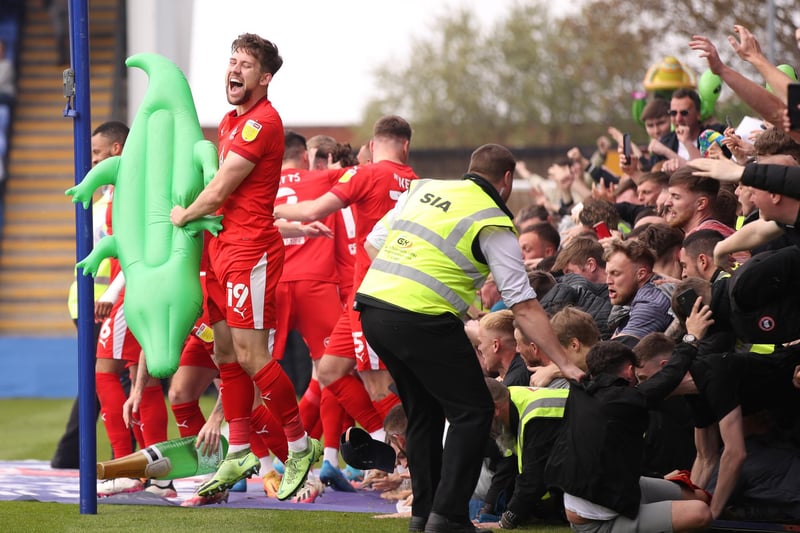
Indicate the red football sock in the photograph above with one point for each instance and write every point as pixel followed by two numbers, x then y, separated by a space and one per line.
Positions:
pixel 384 405
pixel 136 429
pixel 316 431
pixel 309 409
pixel 266 434
pixel 278 394
pixel 112 397
pixel 354 398
pixel 153 415
pixel 237 401
pixel 239 432
pixel 188 417
pixel 332 415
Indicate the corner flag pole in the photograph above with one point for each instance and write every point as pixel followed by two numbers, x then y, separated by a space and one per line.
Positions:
pixel 76 91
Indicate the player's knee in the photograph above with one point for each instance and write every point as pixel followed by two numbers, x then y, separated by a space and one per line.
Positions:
pixel 696 515
pixel 332 368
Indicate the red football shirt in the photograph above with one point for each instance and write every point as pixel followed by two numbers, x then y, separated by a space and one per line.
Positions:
pixel 372 190
pixel 308 259
pixel 257 136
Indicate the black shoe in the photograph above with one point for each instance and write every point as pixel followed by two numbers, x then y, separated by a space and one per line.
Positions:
pixel 417 523
pixel 59 462
pixel 441 524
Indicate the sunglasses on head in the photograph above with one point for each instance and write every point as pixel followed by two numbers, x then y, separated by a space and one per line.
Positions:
pixel 673 112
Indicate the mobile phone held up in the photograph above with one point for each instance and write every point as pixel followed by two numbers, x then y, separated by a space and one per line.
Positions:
pixel 626 148
pixel 602 231
pixel 686 301
pixel 793 101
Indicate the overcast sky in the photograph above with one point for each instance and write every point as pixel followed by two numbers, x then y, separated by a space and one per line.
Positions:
pixel 329 49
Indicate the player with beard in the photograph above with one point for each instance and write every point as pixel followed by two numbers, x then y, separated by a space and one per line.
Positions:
pixel 246 260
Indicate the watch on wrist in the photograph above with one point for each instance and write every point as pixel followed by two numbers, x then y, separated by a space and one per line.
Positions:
pixel 691 339
pixel 509 520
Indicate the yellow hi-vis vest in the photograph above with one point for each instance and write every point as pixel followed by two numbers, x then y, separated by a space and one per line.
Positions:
pixel 103 273
pixel 535 403
pixel 427 264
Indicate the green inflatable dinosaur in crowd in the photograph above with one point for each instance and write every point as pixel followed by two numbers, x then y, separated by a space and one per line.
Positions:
pixel 165 162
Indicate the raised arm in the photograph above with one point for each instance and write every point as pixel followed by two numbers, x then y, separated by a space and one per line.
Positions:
pixel 765 103
pixel 748 48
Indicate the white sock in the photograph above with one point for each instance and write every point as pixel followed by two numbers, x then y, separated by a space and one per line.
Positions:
pixel 331 455
pixel 300 444
pixel 379 434
pixel 233 448
pixel 266 465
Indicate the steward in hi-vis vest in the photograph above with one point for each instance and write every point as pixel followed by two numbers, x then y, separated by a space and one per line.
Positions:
pixel 434 250
pixel 434 269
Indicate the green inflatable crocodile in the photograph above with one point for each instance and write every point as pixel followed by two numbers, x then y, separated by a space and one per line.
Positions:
pixel 165 162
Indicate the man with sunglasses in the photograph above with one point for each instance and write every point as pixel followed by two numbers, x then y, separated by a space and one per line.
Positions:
pixel 684 113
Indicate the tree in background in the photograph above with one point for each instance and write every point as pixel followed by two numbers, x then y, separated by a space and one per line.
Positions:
pixel 537 79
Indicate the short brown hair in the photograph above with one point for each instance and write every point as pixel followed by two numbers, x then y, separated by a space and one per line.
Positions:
pixel 655 108
pixel 774 142
pixel 596 210
pixel 656 176
pixel 392 126
pixel 684 177
pixel 492 161
pixel 545 231
pixel 572 323
pixel 578 251
pixel 661 238
pixel 652 345
pixel 265 51
pixel 636 251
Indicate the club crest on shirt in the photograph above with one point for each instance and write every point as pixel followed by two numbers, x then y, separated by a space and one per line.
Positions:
pixel 347 175
pixel 250 130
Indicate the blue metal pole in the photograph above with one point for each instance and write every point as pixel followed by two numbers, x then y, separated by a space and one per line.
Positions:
pixel 81 115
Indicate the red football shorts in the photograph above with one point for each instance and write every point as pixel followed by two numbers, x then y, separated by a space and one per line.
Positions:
pixel 115 340
pixel 241 283
pixel 310 307
pixel 347 340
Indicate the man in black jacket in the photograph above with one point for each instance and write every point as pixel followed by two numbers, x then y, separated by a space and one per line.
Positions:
pixel 601 448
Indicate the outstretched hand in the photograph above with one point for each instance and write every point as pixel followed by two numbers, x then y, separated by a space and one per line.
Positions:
pixel 708 51
pixel 747 46
pixel 720 169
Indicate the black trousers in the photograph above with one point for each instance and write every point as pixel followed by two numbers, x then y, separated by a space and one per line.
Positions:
pixel 438 376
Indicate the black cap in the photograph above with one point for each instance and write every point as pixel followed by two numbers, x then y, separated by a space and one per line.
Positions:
pixel 359 450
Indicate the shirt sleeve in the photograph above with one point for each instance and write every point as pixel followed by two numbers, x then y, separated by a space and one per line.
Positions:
pixel 501 249
pixel 649 312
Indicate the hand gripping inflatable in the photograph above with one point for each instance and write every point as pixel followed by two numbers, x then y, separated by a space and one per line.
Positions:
pixel 165 162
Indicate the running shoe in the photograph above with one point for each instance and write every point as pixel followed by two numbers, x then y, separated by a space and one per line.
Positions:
pixel 334 478
pixel 297 466
pixel 310 491
pixel 236 466
pixel 353 474
pixel 240 486
pixel 166 491
pixel 109 487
